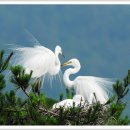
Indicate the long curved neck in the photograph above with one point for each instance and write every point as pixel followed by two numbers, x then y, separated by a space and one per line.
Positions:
pixel 56 66
pixel 57 57
pixel 69 83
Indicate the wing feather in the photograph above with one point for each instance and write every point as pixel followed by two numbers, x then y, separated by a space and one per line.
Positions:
pixel 37 58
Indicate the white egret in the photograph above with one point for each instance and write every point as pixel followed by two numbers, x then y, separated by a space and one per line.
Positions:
pixel 91 88
pixel 78 100
pixel 39 59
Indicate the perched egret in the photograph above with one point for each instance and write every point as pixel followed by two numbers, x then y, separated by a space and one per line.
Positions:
pixel 91 88
pixel 77 100
pixel 39 59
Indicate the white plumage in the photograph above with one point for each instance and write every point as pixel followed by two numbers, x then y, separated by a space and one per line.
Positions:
pixel 39 59
pixel 68 103
pixel 87 85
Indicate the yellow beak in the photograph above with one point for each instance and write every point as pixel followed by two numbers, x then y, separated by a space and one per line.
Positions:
pixel 66 63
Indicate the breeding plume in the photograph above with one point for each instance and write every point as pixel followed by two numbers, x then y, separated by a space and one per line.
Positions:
pixel 39 59
pixel 91 88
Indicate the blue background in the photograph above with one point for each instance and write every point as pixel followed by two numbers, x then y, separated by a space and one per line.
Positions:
pixel 98 35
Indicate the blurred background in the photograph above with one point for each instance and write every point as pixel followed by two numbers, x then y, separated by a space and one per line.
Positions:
pixel 98 35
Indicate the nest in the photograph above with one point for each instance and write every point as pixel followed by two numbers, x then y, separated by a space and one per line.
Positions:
pixel 94 114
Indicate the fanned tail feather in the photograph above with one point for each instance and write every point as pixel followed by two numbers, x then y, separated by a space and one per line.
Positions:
pixel 102 87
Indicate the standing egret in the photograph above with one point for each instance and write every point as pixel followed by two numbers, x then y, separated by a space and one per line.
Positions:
pixel 39 59
pixel 91 88
pixel 78 100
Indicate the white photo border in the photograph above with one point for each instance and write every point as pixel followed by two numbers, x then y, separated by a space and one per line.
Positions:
pixel 67 2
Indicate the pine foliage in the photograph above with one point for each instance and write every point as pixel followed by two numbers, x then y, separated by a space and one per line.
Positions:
pixel 36 108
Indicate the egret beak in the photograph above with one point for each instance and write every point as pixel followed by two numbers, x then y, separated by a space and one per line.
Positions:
pixel 66 63
pixel 63 55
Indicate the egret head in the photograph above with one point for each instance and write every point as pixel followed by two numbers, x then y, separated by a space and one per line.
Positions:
pixel 58 50
pixel 73 62
pixel 57 63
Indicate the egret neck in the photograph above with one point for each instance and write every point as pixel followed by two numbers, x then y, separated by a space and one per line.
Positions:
pixel 68 72
pixel 57 61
